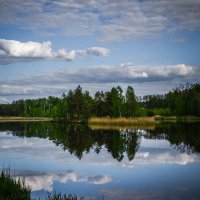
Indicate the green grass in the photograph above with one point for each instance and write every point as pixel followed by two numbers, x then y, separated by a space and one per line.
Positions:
pixel 11 189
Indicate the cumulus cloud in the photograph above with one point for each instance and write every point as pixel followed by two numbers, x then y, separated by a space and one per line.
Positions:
pixel 118 20
pixel 30 49
pixel 12 51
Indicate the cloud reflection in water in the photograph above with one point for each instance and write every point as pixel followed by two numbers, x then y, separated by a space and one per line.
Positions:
pixel 44 181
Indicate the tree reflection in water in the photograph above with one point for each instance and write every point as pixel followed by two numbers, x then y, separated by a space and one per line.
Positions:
pixel 80 139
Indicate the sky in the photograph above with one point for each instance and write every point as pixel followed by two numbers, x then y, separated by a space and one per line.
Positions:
pixel 48 47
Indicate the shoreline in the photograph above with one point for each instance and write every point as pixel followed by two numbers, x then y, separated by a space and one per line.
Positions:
pixel 111 120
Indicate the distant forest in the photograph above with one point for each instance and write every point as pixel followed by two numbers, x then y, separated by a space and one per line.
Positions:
pixel 80 105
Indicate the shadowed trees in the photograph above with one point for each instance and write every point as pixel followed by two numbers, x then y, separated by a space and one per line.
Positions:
pixel 183 100
pixel 131 105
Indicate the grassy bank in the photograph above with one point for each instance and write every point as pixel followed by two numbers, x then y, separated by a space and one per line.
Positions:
pixel 15 119
pixel 122 120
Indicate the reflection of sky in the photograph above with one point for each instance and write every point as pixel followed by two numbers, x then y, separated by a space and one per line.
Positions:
pixel 157 169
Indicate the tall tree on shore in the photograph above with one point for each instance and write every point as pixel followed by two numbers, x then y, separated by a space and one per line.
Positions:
pixel 131 105
pixel 117 101
pixel 99 104
pixel 87 105
pixel 78 100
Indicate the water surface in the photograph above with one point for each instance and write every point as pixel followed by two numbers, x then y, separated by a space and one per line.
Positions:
pixel 161 162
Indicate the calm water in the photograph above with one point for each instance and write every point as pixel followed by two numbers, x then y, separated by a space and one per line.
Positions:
pixel 161 162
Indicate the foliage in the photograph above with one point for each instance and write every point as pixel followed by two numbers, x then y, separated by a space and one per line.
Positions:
pixel 183 100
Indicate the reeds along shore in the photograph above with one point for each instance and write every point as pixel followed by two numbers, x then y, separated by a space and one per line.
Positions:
pixel 11 189
pixel 122 120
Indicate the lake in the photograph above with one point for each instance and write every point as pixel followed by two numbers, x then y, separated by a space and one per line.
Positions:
pixel 152 162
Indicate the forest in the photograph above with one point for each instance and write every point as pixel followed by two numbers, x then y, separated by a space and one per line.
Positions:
pixel 81 105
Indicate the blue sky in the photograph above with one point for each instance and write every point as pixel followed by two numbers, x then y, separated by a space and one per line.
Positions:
pixel 48 47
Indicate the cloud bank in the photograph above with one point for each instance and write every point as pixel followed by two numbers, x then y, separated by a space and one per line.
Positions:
pixel 13 51
pixel 123 73
pixel 101 77
pixel 112 20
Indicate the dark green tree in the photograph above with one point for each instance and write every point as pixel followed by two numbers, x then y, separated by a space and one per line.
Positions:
pixel 131 105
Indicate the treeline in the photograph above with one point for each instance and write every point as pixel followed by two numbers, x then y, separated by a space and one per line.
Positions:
pixel 183 100
pixel 77 104
pixel 80 105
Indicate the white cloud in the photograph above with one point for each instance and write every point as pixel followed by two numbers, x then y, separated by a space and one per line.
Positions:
pixel 11 50
pixel 171 71
pixel 30 49
pixel 62 53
